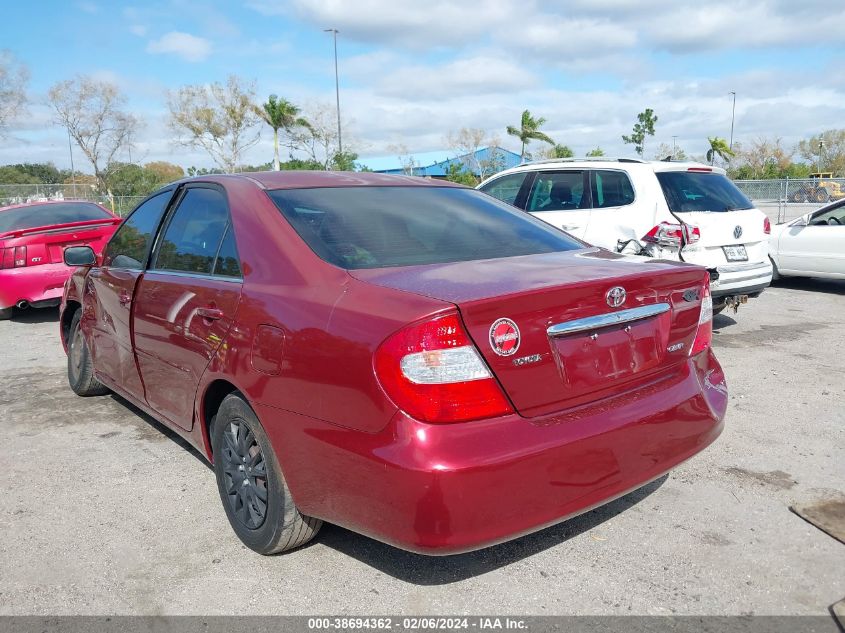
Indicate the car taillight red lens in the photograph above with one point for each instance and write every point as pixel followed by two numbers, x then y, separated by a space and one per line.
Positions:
pixel 704 334
pixel 13 257
pixel 433 372
pixel 667 234
pixel 767 226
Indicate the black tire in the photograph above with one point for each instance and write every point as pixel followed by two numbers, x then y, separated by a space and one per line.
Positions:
pixel 822 195
pixel 718 307
pixel 247 469
pixel 799 196
pixel 80 370
pixel 775 273
pixel 5 314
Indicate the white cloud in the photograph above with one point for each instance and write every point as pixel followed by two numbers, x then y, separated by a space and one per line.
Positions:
pixel 189 47
pixel 138 29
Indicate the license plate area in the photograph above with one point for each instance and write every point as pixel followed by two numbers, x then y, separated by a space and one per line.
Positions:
pixel 735 253
pixel 598 358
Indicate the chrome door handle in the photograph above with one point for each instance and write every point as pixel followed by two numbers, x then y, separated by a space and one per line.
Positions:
pixel 212 314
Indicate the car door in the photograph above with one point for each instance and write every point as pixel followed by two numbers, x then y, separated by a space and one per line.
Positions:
pixel 186 300
pixel 111 286
pixel 817 247
pixel 612 218
pixel 562 198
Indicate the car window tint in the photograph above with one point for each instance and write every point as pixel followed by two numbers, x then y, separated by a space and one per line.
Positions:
pixel 228 263
pixel 37 215
pixel 130 245
pixel 374 227
pixel 611 188
pixel 505 188
pixel 557 191
pixel 701 191
pixel 194 232
pixel 830 217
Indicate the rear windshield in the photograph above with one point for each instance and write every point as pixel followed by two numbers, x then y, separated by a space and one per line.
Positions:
pixel 701 191
pixel 377 227
pixel 37 215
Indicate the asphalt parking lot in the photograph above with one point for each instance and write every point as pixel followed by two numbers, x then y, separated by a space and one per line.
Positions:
pixel 104 511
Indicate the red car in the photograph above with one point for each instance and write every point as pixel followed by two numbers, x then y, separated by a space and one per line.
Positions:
pixel 33 237
pixel 412 360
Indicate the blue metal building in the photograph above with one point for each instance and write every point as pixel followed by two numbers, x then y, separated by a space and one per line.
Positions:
pixel 436 164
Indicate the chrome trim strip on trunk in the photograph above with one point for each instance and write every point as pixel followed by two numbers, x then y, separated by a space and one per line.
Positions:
pixel 604 320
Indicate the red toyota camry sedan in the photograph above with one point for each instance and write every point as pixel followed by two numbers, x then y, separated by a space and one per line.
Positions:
pixel 33 237
pixel 412 360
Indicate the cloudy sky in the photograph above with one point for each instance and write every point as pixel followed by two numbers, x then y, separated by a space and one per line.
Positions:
pixel 411 71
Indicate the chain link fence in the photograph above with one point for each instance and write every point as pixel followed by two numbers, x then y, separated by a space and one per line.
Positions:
pixel 788 198
pixel 20 194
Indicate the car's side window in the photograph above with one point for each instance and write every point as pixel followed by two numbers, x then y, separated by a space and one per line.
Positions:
pixel 831 217
pixel 194 232
pixel 505 188
pixel 131 243
pixel 228 263
pixel 558 191
pixel 611 188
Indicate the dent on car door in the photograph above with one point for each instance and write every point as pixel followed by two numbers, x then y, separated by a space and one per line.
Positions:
pixel 111 291
pixel 562 198
pixel 186 301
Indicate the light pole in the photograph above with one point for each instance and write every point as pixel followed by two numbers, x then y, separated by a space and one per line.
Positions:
pixel 334 33
pixel 673 147
pixel 72 172
pixel 733 116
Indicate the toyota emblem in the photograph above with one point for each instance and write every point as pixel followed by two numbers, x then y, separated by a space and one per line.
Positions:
pixel 737 231
pixel 616 296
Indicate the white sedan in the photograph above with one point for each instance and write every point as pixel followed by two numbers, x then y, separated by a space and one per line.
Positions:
pixel 812 245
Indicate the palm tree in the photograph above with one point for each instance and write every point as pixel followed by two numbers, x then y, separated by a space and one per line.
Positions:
pixel 719 147
pixel 280 114
pixel 529 130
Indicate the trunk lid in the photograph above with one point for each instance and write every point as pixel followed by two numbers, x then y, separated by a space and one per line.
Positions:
pixel 46 245
pixel 592 349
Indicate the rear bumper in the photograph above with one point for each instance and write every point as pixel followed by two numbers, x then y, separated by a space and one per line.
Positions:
pixel 33 284
pixel 741 279
pixel 443 489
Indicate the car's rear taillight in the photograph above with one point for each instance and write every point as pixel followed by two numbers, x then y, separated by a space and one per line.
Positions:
pixel 667 234
pixel 13 257
pixel 704 334
pixel 433 372
pixel 767 226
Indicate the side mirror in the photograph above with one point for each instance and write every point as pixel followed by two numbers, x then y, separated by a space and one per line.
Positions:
pixel 802 221
pixel 80 256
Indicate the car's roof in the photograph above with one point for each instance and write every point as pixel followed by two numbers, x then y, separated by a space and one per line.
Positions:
pixel 613 163
pixel 313 179
pixel 38 203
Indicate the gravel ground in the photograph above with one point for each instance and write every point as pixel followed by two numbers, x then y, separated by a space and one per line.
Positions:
pixel 104 511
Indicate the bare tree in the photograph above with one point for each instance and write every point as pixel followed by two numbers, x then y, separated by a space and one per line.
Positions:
pixel 319 141
pixel 91 110
pixel 13 79
pixel 469 144
pixel 219 119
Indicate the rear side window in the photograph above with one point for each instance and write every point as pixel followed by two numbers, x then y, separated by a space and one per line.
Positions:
pixel 505 188
pixel 194 232
pixel 558 191
pixel 376 227
pixel 228 263
pixel 611 188
pixel 130 245
pixel 35 216
pixel 701 191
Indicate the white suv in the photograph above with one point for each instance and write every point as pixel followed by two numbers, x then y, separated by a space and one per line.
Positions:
pixel 672 210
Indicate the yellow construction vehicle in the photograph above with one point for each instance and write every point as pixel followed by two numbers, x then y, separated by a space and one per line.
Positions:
pixel 820 188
